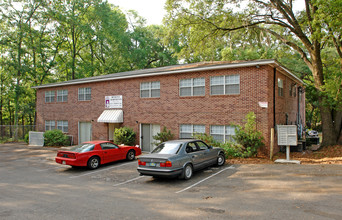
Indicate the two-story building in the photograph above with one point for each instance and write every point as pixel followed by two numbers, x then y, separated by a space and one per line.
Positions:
pixel 206 97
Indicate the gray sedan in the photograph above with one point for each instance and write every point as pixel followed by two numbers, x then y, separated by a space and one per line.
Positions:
pixel 180 158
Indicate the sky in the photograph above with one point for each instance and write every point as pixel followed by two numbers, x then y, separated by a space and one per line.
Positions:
pixel 152 10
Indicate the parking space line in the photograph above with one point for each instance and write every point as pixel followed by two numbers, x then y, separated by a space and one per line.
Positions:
pixel 189 187
pixel 100 170
pixel 128 181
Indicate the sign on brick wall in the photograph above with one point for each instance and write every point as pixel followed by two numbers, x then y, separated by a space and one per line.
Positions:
pixel 113 101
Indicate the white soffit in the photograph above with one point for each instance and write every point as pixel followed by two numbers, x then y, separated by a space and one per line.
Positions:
pixel 111 116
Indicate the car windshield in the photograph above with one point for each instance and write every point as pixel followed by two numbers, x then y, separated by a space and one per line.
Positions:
pixel 83 148
pixel 167 148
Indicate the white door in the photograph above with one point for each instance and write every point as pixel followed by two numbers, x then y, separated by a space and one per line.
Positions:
pixel 84 132
pixel 147 133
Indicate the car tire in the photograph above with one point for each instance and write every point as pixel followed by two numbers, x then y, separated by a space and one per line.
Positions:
pixel 130 155
pixel 187 172
pixel 221 160
pixel 93 163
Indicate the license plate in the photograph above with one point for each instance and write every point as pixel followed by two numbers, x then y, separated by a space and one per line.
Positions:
pixel 63 162
pixel 153 164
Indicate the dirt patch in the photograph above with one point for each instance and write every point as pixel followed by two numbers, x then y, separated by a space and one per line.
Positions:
pixel 326 155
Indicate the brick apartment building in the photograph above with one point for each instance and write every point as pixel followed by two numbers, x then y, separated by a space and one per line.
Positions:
pixel 205 97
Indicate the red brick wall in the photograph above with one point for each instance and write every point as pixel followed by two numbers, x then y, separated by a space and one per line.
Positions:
pixel 171 110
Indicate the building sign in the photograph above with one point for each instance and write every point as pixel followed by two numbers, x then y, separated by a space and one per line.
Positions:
pixel 263 104
pixel 114 101
pixel 287 135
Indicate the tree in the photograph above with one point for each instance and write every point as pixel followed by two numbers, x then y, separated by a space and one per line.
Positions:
pixel 301 31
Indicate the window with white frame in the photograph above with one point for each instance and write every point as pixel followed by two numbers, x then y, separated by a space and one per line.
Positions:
pixel 49 96
pixel 280 87
pixel 150 89
pixel 63 126
pixel 188 130
pixel 225 85
pixel 192 87
pixel 84 94
pixel 62 95
pixel 49 125
pixel 222 133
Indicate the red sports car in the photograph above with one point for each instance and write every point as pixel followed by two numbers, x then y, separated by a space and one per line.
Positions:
pixel 94 153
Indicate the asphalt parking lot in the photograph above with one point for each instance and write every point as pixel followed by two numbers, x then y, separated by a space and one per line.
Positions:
pixel 33 186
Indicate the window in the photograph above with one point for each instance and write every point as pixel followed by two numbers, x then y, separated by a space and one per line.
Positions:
pixel 222 133
pixel 225 85
pixel 49 125
pixel 192 87
pixel 50 96
pixel 62 95
pixel 84 94
pixel 280 87
pixel 108 146
pixel 63 126
pixel 150 90
pixel 188 130
pixel 202 145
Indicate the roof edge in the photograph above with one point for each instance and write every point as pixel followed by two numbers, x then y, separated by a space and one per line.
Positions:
pixel 160 71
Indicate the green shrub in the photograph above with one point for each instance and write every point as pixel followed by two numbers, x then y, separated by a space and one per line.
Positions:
pixel 55 138
pixel 248 137
pixel 124 135
pixel 27 138
pixel 163 136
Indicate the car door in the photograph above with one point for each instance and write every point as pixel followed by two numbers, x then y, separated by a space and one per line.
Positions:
pixel 111 152
pixel 195 154
pixel 207 156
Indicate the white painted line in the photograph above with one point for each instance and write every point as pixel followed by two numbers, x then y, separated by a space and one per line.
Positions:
pixel 97 171
pixel 228 168
pixel 128 181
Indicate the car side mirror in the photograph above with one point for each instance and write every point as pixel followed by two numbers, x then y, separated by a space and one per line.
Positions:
pixel 210 147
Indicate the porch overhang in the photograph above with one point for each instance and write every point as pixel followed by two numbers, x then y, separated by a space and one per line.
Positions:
pixel 111 116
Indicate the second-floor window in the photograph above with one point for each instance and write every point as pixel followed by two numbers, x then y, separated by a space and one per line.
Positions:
pixel 49 96
pixel 225 85
pixel 150 89
pixel 84 94
pixel 280 87
pixel 62 95
pixel 192 87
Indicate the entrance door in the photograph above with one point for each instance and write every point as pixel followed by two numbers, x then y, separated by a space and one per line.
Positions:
pixel 84 132
pixel 147 133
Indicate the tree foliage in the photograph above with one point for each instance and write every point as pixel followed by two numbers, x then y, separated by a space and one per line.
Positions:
pixel 220 29
pixel 50 41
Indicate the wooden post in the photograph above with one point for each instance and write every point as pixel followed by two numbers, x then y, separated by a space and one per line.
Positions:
pixel 272 143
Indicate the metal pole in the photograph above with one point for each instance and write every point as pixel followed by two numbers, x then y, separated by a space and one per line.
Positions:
pixel 288 152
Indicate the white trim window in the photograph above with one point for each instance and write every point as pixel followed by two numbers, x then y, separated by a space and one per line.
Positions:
pixel 225 85
pixel 150 89
pixel 192 87
pixel 62 95
pixel 188 130
pixel 84 94
pixel 280 87
pixel 49 125
pixel 222 133
pixel 63 126
pixel 49 96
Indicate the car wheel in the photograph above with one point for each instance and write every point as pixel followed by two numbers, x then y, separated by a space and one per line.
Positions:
pixel 187 172
pixel 130 155
pixel 221 160
pixel 93 163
